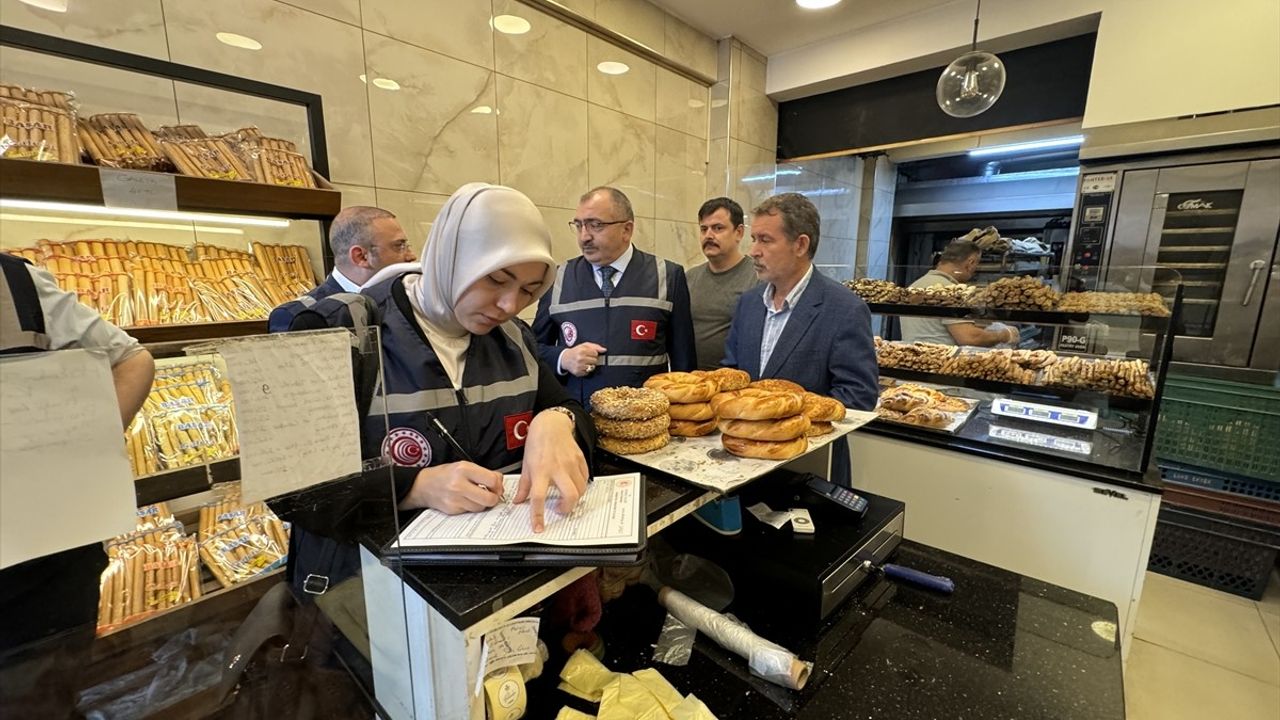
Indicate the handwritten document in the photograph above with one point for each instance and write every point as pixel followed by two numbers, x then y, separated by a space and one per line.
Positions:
pixel 64 478
pixel 138 189
pixel 514 642
pixel 607 514
pixel 295 410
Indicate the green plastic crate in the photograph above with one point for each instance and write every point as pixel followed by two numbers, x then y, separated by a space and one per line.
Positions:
pixel 1221 425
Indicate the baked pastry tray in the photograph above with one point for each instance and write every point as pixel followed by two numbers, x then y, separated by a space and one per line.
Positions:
pixel 958 419
pixel 704 462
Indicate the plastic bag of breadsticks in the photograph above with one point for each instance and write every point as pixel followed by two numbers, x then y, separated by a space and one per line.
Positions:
pixel 147 575
pixel 186 438
pixel 58 99
pixel 37 132
pixel 140 446
pixel 121 140
pixel 240 550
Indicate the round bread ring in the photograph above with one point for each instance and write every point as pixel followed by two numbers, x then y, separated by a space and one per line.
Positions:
pixel 726 378
pixel 692 411
pixel 629 429
pixel 692 428
pixel 777 384
pixel 756 404
pixel 788 428
pixel 628 403
pixel 682 387
pixel 822 409
pixel 818 427
pixel 764 449
pixel 633 447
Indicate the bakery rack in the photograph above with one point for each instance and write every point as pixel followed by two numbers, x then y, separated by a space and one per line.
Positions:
pixel 1148 337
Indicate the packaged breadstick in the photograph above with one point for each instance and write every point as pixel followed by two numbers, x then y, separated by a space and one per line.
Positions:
pixel 37 132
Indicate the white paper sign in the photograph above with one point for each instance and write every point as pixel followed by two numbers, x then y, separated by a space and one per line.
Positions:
pixel 514 642
pixel 138 189
pixel 295 410
pixel 64 478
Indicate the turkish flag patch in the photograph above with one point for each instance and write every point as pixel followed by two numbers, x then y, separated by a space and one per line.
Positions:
pixel 517 428
pixel 643 329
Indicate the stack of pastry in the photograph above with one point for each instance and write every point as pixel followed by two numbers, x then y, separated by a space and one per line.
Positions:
pixel 760 422
pixel 689 394
pixel 631 420
pixel 821 411
pixel 151 569
pixel 238 542
pixel 919 405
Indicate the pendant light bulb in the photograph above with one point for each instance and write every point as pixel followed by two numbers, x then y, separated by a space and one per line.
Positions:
pixel 973 82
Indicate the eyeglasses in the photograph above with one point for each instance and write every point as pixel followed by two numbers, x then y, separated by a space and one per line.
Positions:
pixel 593 226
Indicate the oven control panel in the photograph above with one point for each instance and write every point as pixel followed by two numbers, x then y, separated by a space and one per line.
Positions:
pixel 1096 192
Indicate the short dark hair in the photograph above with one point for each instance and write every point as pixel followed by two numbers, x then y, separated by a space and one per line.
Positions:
pixel 736 215
pixel 351 228
pixel 957 251
pixel 621 202
pixel 799 217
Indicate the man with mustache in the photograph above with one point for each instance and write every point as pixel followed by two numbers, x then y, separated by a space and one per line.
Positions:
pixel 616 315
pixel 802 326
pixel 714 286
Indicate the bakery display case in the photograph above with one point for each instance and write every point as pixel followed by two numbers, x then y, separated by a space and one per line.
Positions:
pixel 1080 386
pixel 178 202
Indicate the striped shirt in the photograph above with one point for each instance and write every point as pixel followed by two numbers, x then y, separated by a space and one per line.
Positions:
pixel 775 321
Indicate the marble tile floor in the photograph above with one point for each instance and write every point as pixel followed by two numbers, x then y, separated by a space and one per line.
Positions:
pixel 1201 653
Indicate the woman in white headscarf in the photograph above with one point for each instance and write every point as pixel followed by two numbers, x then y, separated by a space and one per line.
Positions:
pixel 449 324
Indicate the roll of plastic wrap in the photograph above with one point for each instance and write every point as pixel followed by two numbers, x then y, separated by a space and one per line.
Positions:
pixel 766 659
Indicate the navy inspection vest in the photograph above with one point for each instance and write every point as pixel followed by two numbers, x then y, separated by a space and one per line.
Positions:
pixel 633 323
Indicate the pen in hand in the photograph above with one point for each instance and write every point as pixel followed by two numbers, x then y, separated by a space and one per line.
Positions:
pixel 457 447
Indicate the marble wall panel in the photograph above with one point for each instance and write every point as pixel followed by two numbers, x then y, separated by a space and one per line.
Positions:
pixel 542 141
pixel 458 29
pixel 681 103
pixel 300 50
pixel 718 168
pixel 415 211
pixel 552 54
pixel 689 47
pixel 135 26
pixel 678 242
pixel 622 153
pixel 564 242
pixel 751 173
pixel 835 257
pixel 637 19
pixel 681 175
pixel 431 135
pixel 582 8
pixel 632 92
pixel 645 235
pixel 719 107
pixel 348 11
pixel 357 195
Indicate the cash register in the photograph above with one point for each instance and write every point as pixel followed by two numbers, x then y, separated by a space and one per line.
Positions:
pixel 815 561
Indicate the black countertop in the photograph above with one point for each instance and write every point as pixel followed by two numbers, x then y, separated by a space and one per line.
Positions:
pixel 465 595
pixel 1002 646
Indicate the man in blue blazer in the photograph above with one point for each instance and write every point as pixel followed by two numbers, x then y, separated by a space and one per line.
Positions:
pixel 363 240
pixel 800 325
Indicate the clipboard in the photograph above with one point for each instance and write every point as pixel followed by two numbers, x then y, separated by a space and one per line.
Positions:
pixel 625 546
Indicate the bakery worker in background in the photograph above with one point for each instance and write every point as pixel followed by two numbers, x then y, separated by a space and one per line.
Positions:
pixel 716 285
pixel 616 315
pixel 55 598
pixel 957 264
pixel 802 326
pixel 363 240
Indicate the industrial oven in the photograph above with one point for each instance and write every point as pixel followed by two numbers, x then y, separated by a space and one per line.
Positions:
pixel 1214 220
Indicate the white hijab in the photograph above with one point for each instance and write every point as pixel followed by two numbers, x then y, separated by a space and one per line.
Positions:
pixel 482 228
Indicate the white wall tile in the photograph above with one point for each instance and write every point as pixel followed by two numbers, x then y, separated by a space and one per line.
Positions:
pixel 552 54
pixel 542 143
pixel 621 153
pixel 458 29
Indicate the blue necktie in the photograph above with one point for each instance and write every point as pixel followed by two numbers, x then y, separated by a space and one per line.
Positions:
pixel 606 279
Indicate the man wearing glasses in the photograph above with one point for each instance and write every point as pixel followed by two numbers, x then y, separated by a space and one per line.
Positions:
pixel 364 240
pixel 616 315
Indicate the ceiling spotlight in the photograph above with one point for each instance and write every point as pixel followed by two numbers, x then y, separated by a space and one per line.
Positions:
pixel 611 67
pixel 816 4
pixel 244 42
pixel 482 110
pixel 510 24
pixel 386 84
pixel 364 79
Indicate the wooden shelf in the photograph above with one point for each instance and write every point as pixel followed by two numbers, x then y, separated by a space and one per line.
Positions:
pixel 63 182
pixel 159 334
pixel 181 482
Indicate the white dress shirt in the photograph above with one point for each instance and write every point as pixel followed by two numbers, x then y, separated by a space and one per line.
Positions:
pixel 345 281
pixel 775 321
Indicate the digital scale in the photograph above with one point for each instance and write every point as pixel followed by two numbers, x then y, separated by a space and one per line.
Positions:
pixel 1069 417
pixel 816 571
